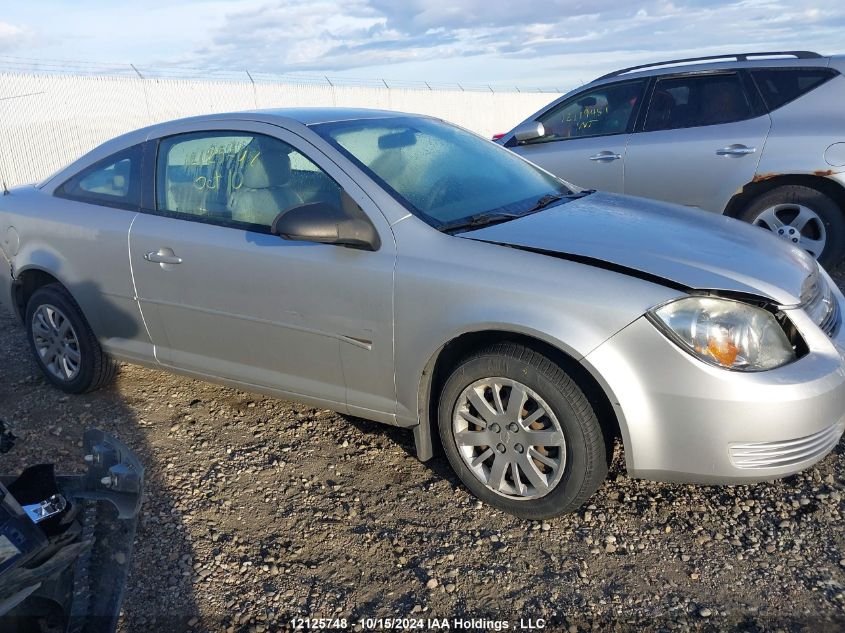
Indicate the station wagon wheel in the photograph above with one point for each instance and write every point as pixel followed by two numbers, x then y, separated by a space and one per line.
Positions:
pixel 63 343
pixel 520 433
pixel 804 217
pixel 509 438
pixel 56 342
pixel 795 223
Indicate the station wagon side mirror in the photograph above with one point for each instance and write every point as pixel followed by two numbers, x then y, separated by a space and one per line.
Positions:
pixel 528 131
pixel 325 223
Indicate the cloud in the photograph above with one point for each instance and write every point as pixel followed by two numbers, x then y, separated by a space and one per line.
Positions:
pixel 11 36
pixel 569 35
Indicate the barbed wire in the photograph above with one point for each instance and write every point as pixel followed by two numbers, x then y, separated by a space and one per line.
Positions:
pixel 130 70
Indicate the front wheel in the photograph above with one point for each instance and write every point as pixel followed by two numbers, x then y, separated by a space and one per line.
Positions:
pixel 803 217
pixel 520 433
pixel 65 347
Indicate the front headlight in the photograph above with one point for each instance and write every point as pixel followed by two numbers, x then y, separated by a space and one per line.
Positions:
pixel 725 333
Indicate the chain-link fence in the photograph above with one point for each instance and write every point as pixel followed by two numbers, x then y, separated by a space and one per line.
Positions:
pixel 49 116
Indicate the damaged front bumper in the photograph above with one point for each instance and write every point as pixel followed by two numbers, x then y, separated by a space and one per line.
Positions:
pixel 66 541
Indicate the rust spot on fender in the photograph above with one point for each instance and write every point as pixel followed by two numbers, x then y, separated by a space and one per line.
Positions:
pixel 765 176
pixel 823 172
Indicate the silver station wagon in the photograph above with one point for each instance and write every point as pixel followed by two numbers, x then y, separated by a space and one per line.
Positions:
pixel 755 136
pixel 398 268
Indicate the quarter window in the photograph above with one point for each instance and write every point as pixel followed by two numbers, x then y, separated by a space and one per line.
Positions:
pixel 610 109
pixel 236 179
pixel 114 181
pixel 779 86
pixel 697 100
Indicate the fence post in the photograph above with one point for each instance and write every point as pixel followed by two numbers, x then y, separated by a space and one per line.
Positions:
pixel 144 90
pixel 254 93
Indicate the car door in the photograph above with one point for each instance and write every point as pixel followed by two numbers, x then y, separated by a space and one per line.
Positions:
pixel 224 298
pixel 586 135
pixel 701 141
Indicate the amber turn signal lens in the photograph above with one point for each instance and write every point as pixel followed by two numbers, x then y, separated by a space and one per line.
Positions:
pixel 725 352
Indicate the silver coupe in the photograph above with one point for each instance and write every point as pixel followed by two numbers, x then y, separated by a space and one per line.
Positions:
pixel 400 269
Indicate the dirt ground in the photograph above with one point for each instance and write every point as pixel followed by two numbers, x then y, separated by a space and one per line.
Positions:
pixel 259 510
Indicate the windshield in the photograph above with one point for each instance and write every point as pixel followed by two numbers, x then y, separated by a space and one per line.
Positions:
pixel 440 172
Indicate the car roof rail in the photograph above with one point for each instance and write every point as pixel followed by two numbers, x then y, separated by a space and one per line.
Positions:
pixel 740 57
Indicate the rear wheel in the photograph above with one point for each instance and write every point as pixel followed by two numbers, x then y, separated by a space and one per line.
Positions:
pixel 804 217
pixel 520 433
pixel 64 346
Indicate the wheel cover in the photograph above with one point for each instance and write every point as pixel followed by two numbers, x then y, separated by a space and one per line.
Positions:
pixel 797 224
pixel 56 342
pixel 509 438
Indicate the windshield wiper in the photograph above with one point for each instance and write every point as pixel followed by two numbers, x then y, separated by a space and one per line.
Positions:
pixel 550 198
pixel 477 220
pixel 485 219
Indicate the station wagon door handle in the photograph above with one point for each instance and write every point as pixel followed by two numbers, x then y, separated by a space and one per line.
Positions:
pixel 163 256
pixel 605 157
pixel 735 150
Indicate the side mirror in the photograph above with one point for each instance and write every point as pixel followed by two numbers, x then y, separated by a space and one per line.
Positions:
pixel 528 131
pixel 324 223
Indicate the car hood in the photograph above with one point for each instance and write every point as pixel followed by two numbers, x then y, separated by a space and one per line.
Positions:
pixel 680 245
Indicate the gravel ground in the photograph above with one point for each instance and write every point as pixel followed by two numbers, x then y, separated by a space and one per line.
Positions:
pixel 258 510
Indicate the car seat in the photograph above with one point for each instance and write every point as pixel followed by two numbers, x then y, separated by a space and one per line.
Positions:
pixel 265 188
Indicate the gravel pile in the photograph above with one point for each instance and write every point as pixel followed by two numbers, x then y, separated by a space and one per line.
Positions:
pixel 259 510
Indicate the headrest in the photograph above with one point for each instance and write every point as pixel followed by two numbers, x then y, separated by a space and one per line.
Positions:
pixel 268 165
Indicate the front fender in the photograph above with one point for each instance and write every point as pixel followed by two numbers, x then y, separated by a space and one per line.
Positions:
pixel 447 287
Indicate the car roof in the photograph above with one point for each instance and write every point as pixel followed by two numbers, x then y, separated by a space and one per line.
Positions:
pixel 754 60
pixel 314 116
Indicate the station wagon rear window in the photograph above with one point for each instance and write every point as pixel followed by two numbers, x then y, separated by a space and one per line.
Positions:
pixel 779 86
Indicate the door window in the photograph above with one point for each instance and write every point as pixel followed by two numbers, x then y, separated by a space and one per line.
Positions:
pixel 697 100
pixel 236 179
pixel 779 86
pixel 112 182
pixel 610 109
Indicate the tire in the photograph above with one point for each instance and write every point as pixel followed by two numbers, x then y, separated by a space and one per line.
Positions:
pixel 65 348
pixel 581 460
pixel 793 203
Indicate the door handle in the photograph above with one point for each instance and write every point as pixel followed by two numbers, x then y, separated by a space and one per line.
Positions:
pixel 605 157
pixel 163 256
pixel 735 150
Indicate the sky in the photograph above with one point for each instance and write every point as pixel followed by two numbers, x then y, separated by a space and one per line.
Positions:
pixel 555 44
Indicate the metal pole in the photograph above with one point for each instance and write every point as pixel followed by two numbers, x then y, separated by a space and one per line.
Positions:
pixel 254 93
pixel 146 96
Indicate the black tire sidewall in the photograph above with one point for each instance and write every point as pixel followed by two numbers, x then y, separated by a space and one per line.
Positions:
pixel 59 298
pixel 827 209
pixel 569 488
